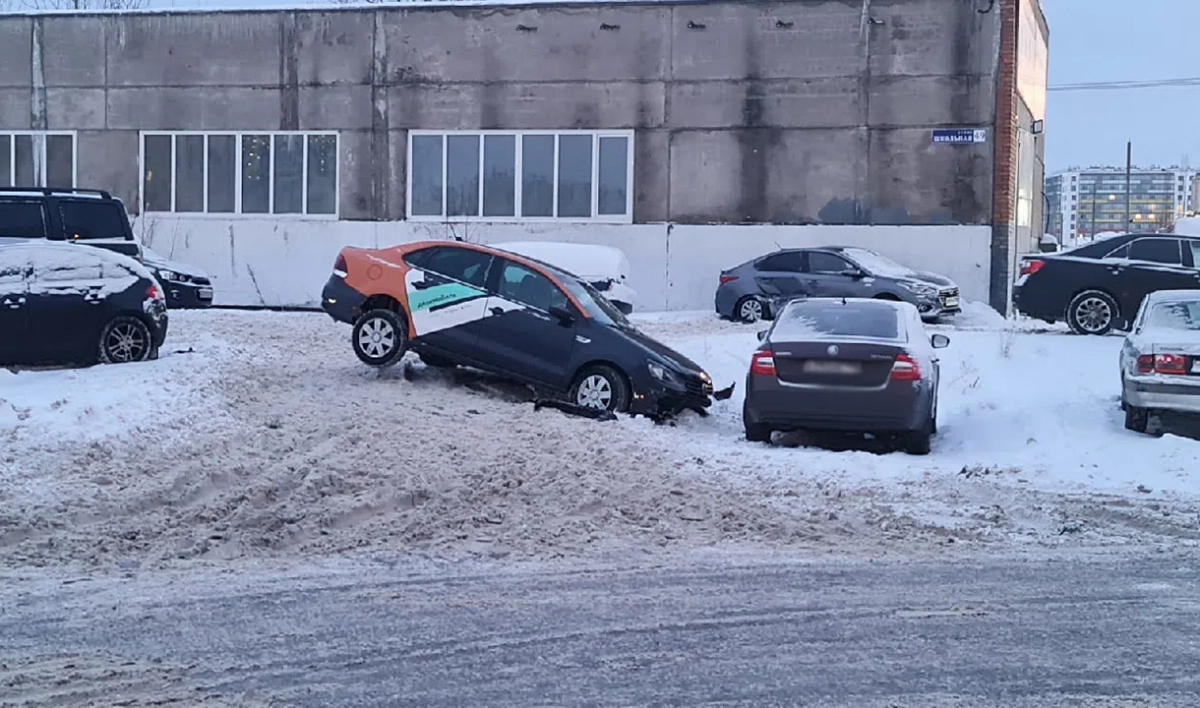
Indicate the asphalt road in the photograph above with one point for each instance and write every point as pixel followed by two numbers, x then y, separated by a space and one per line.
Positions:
pixel 957 632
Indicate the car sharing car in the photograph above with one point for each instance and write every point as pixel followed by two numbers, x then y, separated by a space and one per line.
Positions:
pixel 759 288
pixel 605 268
pixel 65 304
pixel 1160 359
pixel 852 365
pixel 1099 286
pixel 187 287
pixel 456 303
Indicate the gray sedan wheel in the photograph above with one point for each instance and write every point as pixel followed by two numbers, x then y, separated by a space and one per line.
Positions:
pixel 749 309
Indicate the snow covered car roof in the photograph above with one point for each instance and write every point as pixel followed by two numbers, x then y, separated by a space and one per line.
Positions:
pixel 585 260
pixel 1160 296
pixel 60 254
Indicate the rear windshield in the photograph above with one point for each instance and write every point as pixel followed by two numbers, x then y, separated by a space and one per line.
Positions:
pixel 811 320
pixel 1175 315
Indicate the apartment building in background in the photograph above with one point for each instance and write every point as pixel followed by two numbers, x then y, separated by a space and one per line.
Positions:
pixel 1084 202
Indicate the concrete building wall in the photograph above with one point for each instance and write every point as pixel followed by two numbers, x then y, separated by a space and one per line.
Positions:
pixel 811 112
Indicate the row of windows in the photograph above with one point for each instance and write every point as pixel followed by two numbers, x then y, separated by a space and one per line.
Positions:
pixel 37 159
pixel 578 175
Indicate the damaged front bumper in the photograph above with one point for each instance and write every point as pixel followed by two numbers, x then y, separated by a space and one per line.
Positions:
pixel 662 400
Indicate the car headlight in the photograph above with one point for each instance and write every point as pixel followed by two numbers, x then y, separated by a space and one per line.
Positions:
pixel 920 289
pixel 167 275
pixel 663 374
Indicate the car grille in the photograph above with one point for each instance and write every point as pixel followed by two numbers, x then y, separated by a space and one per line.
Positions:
pixel 946 294
pixel 697 387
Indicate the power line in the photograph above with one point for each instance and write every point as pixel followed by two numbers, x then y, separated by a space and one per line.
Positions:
pixel 1124 85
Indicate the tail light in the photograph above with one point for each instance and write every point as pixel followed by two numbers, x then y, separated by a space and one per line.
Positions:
pixel 905 368
pixel 726 278
pixel 763 364
pixel 154 293
pixel 1172 364
pixel 1032 266
pixel 339 266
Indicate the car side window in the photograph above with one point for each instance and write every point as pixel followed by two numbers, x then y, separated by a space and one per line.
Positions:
pixel 1156 250
pixel 92 219
pixel 827 263
pixel 1122 252
pixel 22 219
pixel 528 287
pixel 1193 246
pixel 784 261
pixel 463 264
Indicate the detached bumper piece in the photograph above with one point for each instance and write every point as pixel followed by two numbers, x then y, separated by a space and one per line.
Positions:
pixel 572 409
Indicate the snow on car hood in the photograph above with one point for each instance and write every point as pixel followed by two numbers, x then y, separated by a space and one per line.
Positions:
pixel 156 260
pixel 584 260
pixel 661 350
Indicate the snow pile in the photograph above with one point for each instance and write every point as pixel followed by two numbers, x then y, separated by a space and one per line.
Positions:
pixel 978 315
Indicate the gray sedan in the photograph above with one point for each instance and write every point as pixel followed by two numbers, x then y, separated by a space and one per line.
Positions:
pixel 1160 359
pixel 758 288
pixel 853 365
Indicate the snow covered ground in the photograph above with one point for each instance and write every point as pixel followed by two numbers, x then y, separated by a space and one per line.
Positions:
pixel 259 435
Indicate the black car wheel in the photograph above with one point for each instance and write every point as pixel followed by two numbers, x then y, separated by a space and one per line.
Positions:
pixel 125 340
pixel 749 309
pixel 1138 420
pixel 380 338
pixel 600 387
pixel 1092 312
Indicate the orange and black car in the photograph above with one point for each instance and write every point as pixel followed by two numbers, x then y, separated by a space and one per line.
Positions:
pixel 457 303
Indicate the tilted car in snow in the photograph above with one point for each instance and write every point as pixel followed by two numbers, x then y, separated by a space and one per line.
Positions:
pixel 1099 286
pixel 187 287
pixel 605 268
pixel 760 287
pixel 459 303
pixel 854 365
pixel 1160 359
pixel 65 304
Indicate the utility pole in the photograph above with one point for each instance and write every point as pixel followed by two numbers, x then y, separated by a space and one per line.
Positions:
pixel 1128 169
pixel 1092 222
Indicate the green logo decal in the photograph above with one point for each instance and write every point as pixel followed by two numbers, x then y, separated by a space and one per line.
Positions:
pixel 444 294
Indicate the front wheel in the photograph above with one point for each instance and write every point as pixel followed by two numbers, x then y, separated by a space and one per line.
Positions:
pixel 125 340
pixel 1092 312
pixel 379 338
pixel 600 387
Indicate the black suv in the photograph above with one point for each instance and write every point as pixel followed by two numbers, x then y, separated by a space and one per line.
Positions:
pixel 94 217
pixel 1098 287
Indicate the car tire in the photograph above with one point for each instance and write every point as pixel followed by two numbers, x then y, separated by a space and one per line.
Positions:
pixel 757 433
pixel 380 338
pixel 125 340
pixel 1092 312
pixel 919 442
pixel 600 387
pixel 1138 420
pixel 749 309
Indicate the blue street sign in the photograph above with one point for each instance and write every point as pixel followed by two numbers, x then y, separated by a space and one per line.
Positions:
pixel 959 136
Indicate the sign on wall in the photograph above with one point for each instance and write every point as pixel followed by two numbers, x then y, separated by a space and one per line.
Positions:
pixel 959 136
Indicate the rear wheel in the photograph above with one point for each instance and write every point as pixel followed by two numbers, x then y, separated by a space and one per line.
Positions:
pixel 124 340
pixel 1092 312
pixel 600 387
pixel 749 309
pixel 380 338
pixel 1138 420
pixel 920 442
pixel 755 432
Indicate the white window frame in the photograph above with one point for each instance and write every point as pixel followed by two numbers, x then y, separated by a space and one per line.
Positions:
pixel 11 177
pixel 238 136
pixel 596 135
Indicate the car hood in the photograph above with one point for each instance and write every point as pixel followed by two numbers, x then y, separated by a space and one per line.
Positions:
pixel 662 351
pixel 933 279
pixel 157 261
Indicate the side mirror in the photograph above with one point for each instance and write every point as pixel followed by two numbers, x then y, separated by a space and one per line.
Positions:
pixel 762 334
pixel 939 341
pixel 564 316
pixel 854 273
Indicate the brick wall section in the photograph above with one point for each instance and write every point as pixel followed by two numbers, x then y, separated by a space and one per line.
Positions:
pixel 1005 164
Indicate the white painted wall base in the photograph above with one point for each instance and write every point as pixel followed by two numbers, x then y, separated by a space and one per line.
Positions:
pixel 285 263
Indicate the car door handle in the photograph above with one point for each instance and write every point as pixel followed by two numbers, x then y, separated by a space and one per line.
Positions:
pixel 14 304
pixel 497 310
pixel 422 284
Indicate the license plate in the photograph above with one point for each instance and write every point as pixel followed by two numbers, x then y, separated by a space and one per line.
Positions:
pixel 833 367
pixel 950 302
pixel 205 294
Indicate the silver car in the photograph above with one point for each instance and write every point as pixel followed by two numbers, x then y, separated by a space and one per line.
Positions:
pixel 1160 359
pixel 758 288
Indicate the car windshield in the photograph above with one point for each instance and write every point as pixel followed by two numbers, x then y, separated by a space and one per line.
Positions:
pixel 596 305
pixel 835 320
pixel 1181 314
pixel 879 265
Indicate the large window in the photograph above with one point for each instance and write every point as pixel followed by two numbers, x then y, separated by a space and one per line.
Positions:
pixel 521 175
pixel 240 173
pixel 37 159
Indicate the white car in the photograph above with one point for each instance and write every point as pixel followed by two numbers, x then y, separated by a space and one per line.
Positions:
pixel 605 268
pixel 1160 360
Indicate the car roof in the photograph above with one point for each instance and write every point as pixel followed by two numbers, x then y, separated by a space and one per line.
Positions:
pixel 1161 296
pixel 904 311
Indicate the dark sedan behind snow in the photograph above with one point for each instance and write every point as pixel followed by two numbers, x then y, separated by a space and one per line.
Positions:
pixel 852 365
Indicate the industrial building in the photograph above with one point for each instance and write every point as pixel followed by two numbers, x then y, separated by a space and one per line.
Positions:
pixel 1086 202
pixel 693 135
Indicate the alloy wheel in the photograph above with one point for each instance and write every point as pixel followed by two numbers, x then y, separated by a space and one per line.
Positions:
pixel 377 338
pixel 751 310
pixel 127 342
pixel 1093 314
pixel 595 391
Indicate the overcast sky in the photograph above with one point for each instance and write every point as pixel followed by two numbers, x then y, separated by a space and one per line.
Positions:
pixel 1090 40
